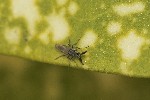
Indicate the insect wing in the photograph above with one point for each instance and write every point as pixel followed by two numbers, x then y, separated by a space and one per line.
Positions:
pixel 62 48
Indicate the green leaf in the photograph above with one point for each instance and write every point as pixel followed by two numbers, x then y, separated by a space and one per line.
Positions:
pixel 117 33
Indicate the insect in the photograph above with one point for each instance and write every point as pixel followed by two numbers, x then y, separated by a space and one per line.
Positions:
pixel 70 51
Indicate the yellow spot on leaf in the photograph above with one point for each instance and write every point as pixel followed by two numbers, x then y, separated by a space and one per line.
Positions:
pixel 114 28
pixel 88 39
pixel 126 9
pixel 61 2
pixel 59 27
pixel 73 8
pixel 12 36
pixel 27 9
pixel 130 45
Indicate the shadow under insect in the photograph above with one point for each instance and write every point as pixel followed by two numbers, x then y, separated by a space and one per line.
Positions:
pixel 71 51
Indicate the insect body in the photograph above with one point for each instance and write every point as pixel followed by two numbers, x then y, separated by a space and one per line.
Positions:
pixel 70 52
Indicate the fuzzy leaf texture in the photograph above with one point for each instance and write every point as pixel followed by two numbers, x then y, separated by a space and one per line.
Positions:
pixel 117 33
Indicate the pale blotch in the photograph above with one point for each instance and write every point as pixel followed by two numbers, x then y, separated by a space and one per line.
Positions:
pixel 73 8
pixel 44 37
pixel 130 45
pixel 27 50
pixel 61 2
pixel 59 27
pixel 26 9
pixel 88 39
pixel 126 9
pixel 113 28
pixel 12 36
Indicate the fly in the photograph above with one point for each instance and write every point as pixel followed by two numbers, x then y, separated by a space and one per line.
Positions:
pixel 70 51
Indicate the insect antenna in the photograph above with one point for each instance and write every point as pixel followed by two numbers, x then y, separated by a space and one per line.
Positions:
pixel 76 42
pixel 69 44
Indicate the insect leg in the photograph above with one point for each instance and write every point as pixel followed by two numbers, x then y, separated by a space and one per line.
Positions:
pixel 68 57
pixel 60 56
pixel 76 43
pixel 71 58
pixel 80 59
pixel 69 44
pixel 83 52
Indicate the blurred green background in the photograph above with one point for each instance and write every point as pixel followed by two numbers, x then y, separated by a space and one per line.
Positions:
pixel 22 79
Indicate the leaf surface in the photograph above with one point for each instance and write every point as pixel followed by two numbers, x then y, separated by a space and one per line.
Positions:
pixel 117 33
